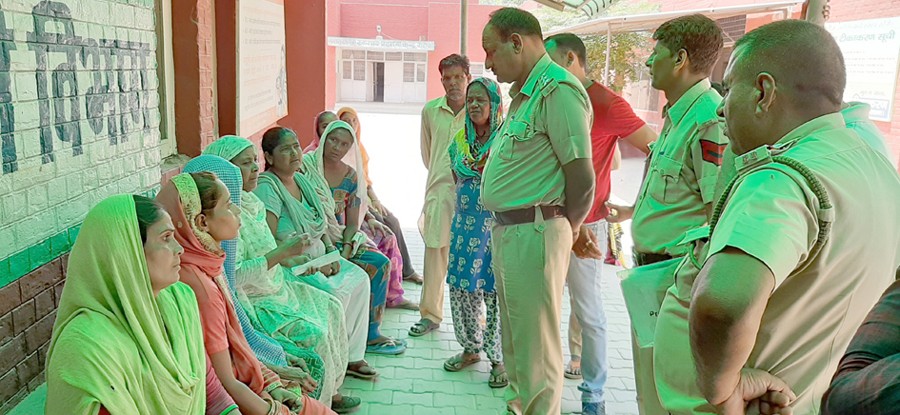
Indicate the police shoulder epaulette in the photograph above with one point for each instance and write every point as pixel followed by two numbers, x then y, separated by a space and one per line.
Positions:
pixel 547 84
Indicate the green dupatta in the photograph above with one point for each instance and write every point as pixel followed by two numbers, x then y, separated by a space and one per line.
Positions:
pixel 114 344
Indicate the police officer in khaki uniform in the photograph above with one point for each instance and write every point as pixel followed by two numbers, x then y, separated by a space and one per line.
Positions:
pixel 538 182
pixel 683 165
pixel 803 247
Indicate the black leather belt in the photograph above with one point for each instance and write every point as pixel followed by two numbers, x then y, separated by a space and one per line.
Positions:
pixel 647 259
pixel 520 216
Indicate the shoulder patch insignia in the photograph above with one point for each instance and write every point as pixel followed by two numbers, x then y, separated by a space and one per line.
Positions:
pixel 712 151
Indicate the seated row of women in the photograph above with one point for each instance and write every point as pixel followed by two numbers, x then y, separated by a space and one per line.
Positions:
pixel 233 292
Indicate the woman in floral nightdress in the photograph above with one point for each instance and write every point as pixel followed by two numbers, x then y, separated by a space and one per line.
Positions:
pixel 469 276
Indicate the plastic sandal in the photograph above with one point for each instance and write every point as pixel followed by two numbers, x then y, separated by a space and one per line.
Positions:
pixel 389 347
pixel 499 378
pixel 457 363
pixel 571 372
pixel 423 327
pixel 359 374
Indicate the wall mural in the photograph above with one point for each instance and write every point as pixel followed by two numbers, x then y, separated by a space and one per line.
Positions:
pixel 113 100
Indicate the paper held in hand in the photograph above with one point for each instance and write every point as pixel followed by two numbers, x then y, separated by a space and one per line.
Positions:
pixel 319 262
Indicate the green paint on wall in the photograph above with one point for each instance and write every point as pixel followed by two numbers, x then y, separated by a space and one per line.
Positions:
pixel 21 263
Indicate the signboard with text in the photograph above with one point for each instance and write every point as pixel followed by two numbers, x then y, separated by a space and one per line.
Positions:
pixel 262 71
pixel 871 49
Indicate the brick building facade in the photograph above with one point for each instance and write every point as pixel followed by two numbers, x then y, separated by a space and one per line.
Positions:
pixel 388 51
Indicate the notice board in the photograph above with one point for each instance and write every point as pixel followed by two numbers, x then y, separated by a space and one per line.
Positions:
pixel 261 71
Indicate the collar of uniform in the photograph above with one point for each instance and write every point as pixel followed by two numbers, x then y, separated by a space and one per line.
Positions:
pixel 830 121
pixel 855 112
pixel 763 154
pixel 676 111
pixel 530 82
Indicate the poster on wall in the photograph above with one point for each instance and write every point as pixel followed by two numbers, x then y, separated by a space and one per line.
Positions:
pixel 871 49
pixel 262 73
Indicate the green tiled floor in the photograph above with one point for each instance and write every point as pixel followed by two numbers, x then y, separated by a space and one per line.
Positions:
pixel 416 383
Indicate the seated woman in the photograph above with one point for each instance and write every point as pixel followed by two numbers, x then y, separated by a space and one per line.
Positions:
pixel 204 217
pixel 376 208
pixel 327 170
pixel 289 310
pixel 261 252
pixel 127 337
pixel 470 277
pixel 293 208
pixel 267 350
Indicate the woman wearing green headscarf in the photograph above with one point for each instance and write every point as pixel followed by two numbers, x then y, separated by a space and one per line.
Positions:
pixel 127 337
pixel 470 277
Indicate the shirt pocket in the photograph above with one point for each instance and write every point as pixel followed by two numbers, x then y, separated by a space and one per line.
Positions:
pixel 669 188
pixel 517 134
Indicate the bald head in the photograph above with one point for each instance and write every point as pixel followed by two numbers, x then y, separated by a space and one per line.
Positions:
pixel 802 57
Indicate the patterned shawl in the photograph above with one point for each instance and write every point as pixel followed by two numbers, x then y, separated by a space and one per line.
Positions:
pixel 467 158
pixel 266 349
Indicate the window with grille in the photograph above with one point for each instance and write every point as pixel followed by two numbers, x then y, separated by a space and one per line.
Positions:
pixel 420 72
pixel 359 70
pixel 393 56
pixel 375 56
pixel 409 72
pixel 348 70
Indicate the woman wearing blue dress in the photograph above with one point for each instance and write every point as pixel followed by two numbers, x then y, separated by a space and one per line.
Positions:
pixel 469 276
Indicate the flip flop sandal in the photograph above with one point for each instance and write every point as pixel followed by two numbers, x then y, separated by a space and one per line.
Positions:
pixel 347 405
pixel 456 363
pixel 423 327
pixel 498 379
pixel 414 278
pixel 405 305
pixel 389 347
pixel 571 372
pixel 357 373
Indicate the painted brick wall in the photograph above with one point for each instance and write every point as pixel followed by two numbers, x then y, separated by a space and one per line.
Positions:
pixel 79 121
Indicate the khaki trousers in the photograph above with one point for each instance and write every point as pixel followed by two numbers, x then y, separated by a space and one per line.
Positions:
pixel 644 380
pixel 530 263
pixel 431 305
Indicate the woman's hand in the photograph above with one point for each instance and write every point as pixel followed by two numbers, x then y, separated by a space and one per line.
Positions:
pixel 378 227
pixel 347 251
pixel 379 208
pixel 328 270
pixel 295 245
pixel 296 374
pixel 288 398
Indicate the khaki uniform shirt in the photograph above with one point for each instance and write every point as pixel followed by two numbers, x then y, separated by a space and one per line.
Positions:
pixel 439 125
pixel 681 179
pixel 548 126
pixel 820 297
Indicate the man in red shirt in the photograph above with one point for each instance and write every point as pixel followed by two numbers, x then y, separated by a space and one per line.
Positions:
pixel 613 120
